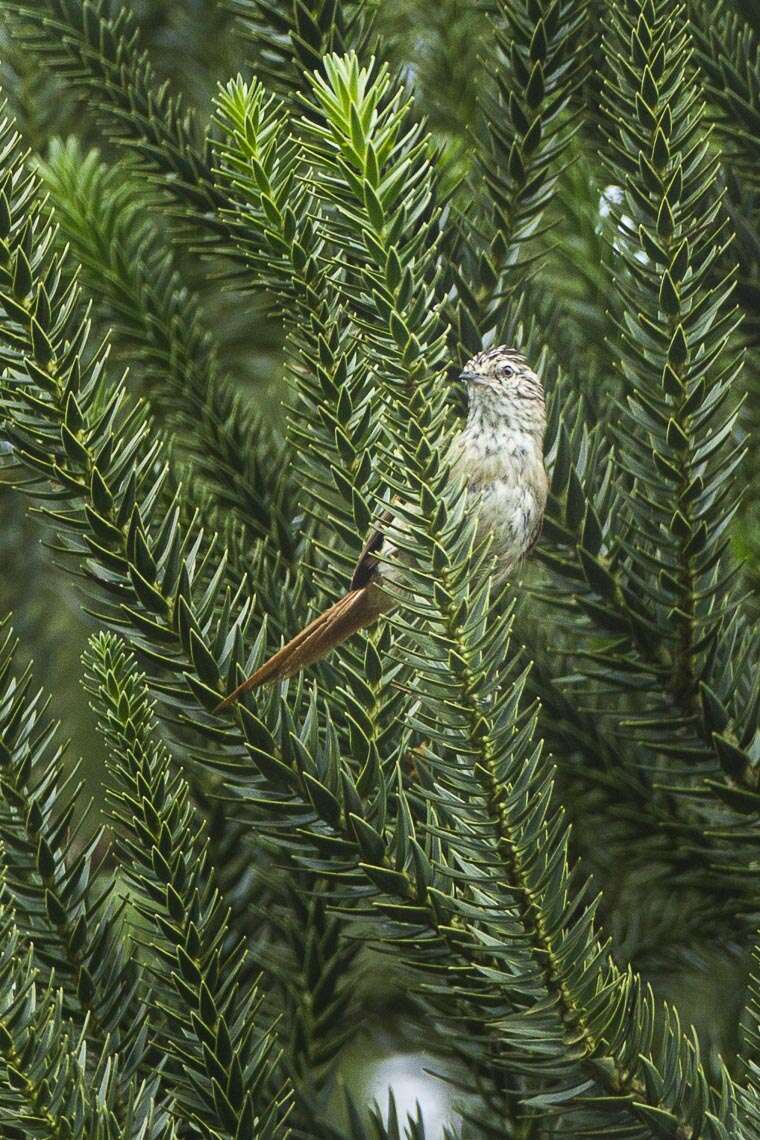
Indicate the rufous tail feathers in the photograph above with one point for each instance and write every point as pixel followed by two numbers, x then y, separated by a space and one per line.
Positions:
pixel 352 612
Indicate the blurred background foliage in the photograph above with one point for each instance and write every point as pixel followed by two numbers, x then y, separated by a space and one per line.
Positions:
pixel 436 47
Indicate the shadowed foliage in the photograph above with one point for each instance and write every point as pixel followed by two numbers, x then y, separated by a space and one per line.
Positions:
pixel 245 250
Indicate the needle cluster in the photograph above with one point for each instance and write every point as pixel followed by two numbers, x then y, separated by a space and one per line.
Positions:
pixel 540 799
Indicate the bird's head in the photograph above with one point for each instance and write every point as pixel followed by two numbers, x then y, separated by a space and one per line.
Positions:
pixel 501 383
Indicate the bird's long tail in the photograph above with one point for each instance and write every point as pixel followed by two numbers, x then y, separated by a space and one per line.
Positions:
pixel 352 612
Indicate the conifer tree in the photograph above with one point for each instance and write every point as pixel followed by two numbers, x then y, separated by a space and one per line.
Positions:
pixel 243 260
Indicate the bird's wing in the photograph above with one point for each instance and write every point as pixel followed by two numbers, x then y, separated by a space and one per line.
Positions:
pixel 366 565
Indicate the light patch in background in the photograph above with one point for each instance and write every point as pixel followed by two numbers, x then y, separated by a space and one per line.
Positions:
pixel 408 1077
pixel 371 1069
pixel 613 196
pixel 610 196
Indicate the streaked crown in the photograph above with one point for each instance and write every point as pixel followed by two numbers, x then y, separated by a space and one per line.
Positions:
pixel 500 363
pixel 503 370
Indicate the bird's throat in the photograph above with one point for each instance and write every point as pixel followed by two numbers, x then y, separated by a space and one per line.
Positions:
pixel 494 447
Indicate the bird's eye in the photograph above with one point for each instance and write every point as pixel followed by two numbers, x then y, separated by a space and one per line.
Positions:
pixel 506 371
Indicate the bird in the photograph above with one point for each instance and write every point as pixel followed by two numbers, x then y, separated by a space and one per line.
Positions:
pixel 499 453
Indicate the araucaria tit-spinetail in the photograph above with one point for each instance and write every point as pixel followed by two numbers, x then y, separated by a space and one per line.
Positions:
pixel 499 454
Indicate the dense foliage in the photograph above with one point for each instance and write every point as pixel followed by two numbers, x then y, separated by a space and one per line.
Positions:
pixel 232 316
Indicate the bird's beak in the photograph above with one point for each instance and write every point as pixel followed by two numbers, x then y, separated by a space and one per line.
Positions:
pixel 474 378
